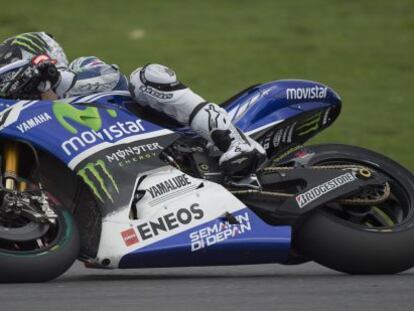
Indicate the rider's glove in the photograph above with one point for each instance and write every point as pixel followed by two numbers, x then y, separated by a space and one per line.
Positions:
pixel 48 75
pixel 28 79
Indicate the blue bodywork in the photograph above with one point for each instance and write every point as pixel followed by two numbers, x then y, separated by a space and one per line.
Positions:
pixel 258 110
pixel 227 245
pixel 51 136
pixel 268 103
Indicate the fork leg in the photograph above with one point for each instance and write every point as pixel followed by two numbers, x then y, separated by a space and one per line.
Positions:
pixel 11 157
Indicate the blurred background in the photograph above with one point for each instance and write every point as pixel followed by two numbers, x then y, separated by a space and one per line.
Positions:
pixel 363 49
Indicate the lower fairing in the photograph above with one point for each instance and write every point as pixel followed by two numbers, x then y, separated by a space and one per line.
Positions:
pixel 188 227
pixel 217 243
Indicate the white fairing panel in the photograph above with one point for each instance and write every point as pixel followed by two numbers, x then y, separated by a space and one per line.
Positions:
pixel 173 202
pixel 161 187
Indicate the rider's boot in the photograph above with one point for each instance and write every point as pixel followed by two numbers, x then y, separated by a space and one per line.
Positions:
pixel 240 152
pixel 157 86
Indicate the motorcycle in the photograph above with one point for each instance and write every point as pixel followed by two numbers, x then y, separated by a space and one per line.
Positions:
pixel 101 179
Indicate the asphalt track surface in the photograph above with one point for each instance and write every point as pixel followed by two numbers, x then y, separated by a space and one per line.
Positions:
pixel 264 287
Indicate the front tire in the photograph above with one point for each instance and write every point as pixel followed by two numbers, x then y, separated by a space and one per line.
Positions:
pixel 336 240
pixel 46 263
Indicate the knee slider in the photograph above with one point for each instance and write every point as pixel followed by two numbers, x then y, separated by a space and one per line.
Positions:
pixel 156 76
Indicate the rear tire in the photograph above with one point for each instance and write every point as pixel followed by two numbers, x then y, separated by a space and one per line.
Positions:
pixel 351 248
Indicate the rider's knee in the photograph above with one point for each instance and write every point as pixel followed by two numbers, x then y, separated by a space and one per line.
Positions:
pixel 157 86
pixel 154 84
pixel 156 75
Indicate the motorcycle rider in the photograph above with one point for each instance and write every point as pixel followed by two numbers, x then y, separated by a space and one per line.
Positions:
pixel 33 65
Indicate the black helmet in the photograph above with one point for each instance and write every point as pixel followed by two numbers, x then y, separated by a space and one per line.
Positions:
pixel 23 46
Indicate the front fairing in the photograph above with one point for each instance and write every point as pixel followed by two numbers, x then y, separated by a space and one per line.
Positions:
pixel 103 143
pixel 72 129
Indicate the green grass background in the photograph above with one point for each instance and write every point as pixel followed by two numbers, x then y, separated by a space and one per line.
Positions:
pixel 363 49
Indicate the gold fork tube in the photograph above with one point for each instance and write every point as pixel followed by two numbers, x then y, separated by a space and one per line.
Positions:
pixel 11 165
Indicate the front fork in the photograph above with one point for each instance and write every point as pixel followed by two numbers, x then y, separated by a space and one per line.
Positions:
pixel 35 206
pixel 11 165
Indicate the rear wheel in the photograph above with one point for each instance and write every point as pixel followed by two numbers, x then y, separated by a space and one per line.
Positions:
pixel 361 239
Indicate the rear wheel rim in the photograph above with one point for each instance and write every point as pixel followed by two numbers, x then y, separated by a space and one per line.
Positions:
pixel 394 214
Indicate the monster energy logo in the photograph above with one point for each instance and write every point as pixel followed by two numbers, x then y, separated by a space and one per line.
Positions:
pixel 309 125
pixel 94 175
pixel 31 42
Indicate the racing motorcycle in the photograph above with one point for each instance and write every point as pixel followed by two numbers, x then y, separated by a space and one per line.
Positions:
pixel 115 185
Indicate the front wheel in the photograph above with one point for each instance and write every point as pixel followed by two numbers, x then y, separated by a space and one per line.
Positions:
pixel 50 254
pixel 361 239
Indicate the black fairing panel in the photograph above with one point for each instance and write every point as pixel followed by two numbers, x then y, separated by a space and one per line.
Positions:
pixel 111 173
